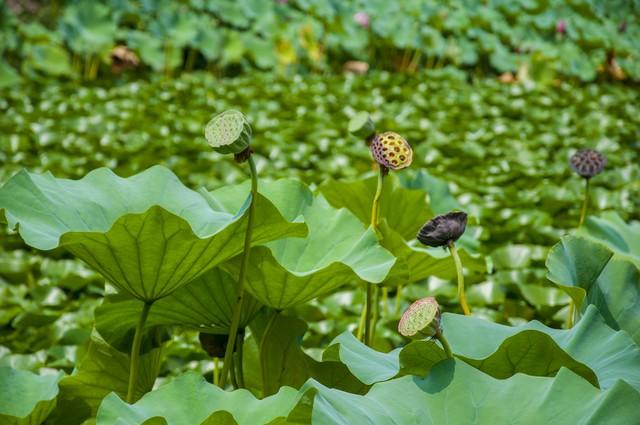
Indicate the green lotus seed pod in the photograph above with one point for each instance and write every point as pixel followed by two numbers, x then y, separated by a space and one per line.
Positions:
pixel 362 126
pixel 421 320
pixel 228 132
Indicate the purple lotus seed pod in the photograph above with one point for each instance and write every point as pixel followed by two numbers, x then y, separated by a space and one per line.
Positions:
pixel 588 162
pixel 391 150
pixel 421 320
pixel 362 19
pixel 561 27
pixel 443 229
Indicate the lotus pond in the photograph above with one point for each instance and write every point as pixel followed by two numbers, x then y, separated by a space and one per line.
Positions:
pixel 144 278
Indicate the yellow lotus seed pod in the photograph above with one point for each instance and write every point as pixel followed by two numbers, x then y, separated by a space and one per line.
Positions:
pixel 391 150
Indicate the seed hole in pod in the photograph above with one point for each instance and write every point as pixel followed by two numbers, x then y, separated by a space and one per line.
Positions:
pixel 402 157
pixel 392 154
pixel 397 149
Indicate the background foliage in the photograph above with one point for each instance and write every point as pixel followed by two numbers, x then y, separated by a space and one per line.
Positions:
pixel 578 39
pixel 495 147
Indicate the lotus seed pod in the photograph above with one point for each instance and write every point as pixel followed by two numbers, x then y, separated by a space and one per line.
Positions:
pixel 361 125
pixel 443 229
pixel 588 162
pixel 421 320
pixel 228 132
pixel 391 150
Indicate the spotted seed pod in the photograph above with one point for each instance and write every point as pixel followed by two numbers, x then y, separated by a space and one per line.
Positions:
pixel 228 132
pixel 391 150
pixel 443 229
pixel 421 320
pixel 361 125
pixel 588 162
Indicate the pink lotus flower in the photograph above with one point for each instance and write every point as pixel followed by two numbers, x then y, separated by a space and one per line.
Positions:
pixel 361 19
pixel 561 27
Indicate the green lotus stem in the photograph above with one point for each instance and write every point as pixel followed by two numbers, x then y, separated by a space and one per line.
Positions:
pixel 445 344
pixel 375 207
pixel 363 316
pixel 216 371
pixel 237 313
pixel 368 325
pixel 263 340
pixel 232 372
pixel 396 310
pixel 375 217
pixel 135 352
pixel 385 301
pixel 239 365
pixel 461 296
pixel 585 203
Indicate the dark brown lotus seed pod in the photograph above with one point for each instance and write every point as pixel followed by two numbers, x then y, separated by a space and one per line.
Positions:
pixel 391 150
pixel 443 229
pixel 421 320
pixel 214 344
pixel 588 162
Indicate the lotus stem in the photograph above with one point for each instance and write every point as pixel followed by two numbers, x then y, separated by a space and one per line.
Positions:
pixel 135 352
pixel 232 372
pixel 216 371
pixel 385 301
pixel 396 310
pixel 375 208
pixel 237 312
pixel 375 217
pixel 461 296
pixel 585 203
pixel 445 344
pixel 368 325
pixel 239 364
pixel 363 316
pixel 263 340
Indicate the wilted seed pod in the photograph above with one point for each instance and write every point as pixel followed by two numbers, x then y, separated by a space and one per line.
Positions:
pixel 228 132
pixel 361 125
pixel 421 320
pixel 391 150
pixel 587 162
pixel 214 344
pixel 443 229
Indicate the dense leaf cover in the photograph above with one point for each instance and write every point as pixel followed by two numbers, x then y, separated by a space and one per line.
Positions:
pixel 499 152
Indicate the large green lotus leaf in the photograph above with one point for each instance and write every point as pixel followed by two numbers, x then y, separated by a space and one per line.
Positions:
pixel 101 370
pixel 590 349
pixel 367 364
pixel 189 399
pixel 456 393
pixel 609 229
pixel 415 262
pixel 26 398
pixel 147 234
pixel 405 210
pixel 338 250
pixel 277 358
pixel 610 280
pixel 504 350
pixel 206 304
